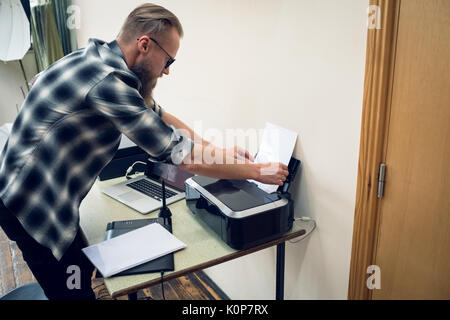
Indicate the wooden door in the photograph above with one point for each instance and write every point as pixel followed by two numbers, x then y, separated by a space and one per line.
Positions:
pixel 411 242
pixel 413 250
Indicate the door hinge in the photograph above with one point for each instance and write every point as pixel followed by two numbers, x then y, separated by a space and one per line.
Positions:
pixel 381 176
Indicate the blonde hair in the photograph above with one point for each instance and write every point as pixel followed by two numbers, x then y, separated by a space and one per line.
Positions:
pixel 148 18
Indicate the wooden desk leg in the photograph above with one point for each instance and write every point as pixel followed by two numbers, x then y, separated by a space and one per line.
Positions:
pixel 280 271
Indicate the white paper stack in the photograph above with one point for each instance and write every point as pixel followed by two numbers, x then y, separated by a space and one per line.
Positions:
pixel 277 146
pixel 132 249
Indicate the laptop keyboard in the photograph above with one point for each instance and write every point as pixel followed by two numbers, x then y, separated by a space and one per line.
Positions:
pixel 150 189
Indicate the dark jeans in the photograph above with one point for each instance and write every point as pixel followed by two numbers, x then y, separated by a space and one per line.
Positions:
pixel 66 279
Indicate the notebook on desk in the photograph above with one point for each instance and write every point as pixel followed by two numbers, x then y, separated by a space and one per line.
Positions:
pixel 134 247
pixel 117 228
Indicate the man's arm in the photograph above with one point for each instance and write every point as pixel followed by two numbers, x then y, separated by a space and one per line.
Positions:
pixel 234 152
pixel 232 168
pixel 177 123
pixel 113 98
pixel 228 164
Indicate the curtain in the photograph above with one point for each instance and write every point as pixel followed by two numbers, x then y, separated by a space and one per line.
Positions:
pixel 46 41
pixel 67 36
pixel 52 39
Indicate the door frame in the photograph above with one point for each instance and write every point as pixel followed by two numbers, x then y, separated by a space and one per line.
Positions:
pixel 377 99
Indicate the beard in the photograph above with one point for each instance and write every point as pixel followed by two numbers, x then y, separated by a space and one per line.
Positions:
pixel 148 82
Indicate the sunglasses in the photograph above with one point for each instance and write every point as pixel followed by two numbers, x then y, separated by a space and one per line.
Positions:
pixel 171 60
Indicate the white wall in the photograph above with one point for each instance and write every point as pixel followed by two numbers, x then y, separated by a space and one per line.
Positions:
pixel 296 63
pixel 11 81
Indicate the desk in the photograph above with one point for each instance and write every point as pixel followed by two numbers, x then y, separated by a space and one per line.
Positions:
pixel 204 247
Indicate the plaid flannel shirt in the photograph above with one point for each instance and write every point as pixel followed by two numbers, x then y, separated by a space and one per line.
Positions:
pixel 67 131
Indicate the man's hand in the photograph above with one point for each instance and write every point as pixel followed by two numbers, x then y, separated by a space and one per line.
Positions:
pixel 268 173
pixel 239 154
pixel 272 173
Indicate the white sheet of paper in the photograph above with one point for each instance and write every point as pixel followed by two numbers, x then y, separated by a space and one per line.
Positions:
pixel 132 249
pixel 277 145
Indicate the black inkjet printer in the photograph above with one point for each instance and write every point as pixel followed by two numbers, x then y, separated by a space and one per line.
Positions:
pixel 242 214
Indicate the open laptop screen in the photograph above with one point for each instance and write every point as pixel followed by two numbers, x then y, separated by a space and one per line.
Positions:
pixel 172 175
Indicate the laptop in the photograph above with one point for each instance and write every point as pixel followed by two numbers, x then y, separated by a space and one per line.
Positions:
pixel 144 193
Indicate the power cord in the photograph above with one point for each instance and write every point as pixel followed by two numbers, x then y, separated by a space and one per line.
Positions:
pixel 305 219
pixel 130 169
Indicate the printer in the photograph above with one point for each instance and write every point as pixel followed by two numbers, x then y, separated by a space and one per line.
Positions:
pixel 242 214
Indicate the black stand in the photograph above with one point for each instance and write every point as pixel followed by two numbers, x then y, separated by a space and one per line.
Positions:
pixel 164 212
pixel 279 294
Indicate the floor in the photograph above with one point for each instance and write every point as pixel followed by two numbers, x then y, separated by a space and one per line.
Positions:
pixel 14 272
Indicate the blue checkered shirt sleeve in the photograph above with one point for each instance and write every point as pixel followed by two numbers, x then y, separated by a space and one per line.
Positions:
pixel 126 109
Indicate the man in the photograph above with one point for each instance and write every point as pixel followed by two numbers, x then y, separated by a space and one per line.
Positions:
pixel 69 128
